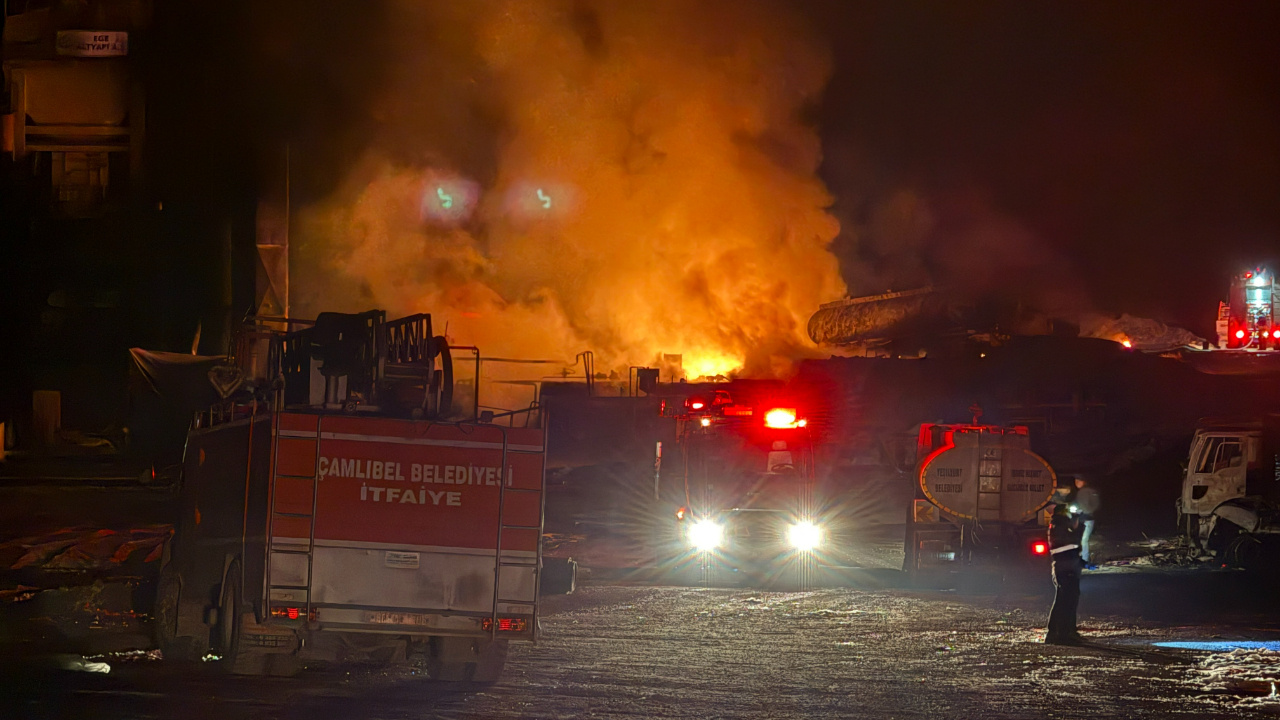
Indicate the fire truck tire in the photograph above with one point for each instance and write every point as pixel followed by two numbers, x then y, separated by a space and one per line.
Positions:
pixel 559 576
pixel 229 632
pixel 165 612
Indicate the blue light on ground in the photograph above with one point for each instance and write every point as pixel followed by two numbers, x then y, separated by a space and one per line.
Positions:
pixel 1221 645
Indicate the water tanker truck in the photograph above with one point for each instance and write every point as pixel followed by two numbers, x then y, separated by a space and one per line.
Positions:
pixel 980 499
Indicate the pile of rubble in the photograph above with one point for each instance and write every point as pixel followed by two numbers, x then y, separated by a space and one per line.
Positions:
pixel 1163 552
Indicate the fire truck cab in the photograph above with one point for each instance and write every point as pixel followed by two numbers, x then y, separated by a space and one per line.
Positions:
pixel 743 493
pixel 1247 321
pixel 335 507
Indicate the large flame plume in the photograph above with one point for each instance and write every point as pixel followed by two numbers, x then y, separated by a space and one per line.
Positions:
pixel 554 176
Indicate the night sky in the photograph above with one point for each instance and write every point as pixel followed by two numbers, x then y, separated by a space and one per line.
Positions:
pixel 1130 149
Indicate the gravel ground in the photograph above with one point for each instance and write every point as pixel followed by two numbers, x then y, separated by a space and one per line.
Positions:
pixel 628 651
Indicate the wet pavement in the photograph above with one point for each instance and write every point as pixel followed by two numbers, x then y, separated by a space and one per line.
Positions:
pixel 640 651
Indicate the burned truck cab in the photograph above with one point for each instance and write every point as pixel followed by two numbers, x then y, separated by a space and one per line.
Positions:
pixel 1230 499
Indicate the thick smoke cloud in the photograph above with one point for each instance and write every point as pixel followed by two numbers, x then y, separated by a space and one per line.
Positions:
pixel 554 176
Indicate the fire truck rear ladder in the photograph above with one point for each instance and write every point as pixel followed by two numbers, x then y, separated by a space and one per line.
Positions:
pixel 309 551
pixel 499 562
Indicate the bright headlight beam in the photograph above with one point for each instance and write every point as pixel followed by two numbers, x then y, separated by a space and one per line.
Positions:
pixel 805 535
pixel 705 535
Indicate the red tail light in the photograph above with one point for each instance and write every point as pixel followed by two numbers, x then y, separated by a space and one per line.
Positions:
pixel 696 404
pixel 1239 334
pixel 506 624
pixel 1275 334
pixel 292 613
pixel 1039 547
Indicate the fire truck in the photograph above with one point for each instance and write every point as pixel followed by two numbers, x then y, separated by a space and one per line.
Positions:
pixel 981 497
pixel 739 491
pixel 1247 321
pixel 334 507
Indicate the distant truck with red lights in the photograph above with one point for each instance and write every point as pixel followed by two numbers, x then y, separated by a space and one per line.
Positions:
pixel 980 499
pixel 1247 320
pixel 738 491
pixel 334 512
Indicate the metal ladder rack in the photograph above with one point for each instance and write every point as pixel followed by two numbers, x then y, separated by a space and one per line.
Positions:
pixel 535 563
pixel 309 550
pixel 990 480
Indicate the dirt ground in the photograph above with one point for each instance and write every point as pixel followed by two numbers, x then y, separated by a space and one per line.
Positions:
pixel 628 651
pixel 862 646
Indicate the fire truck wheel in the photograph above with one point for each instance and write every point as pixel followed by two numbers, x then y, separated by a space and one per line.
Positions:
pixel 168 590
pixel 228 634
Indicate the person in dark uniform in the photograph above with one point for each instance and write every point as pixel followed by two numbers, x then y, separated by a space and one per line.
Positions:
pixel 1064 548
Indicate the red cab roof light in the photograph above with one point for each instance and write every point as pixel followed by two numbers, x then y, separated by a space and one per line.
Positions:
pixel 783 418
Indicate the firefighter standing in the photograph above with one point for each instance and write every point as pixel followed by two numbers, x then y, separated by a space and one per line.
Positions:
pixel 1085 501
pixel 1064 548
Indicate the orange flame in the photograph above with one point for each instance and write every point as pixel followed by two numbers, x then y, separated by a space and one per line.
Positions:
pixel 655 188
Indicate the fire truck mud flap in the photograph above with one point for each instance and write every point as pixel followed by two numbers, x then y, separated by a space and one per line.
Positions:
pixel 559 576
pixel 456 659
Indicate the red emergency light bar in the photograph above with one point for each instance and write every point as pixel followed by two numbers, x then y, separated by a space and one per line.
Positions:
pixel 783 418
pixel 505 624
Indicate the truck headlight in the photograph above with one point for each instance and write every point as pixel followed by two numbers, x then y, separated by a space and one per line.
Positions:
pixel 805 535
pixel 705 534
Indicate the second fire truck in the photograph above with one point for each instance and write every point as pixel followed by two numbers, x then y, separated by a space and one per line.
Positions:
pixel 333 507
pixel 739 491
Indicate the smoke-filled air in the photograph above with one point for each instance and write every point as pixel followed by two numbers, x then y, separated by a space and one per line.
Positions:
pixel 631 178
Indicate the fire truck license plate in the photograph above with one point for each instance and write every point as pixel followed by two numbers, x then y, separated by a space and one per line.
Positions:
pixel 393 618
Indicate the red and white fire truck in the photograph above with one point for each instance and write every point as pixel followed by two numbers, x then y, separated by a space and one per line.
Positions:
pixel 1247 321
pixel 336 509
